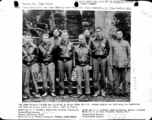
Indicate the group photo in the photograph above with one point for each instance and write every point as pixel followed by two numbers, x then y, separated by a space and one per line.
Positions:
pixel 76 56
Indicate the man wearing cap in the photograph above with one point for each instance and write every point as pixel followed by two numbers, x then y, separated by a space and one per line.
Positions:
pixel 46 55
pixel 100 50
pixel 119 62
pixel 65 62
pixel 83 61
pixel 30 66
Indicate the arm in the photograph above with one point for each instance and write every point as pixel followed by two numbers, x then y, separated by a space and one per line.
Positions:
pixel 128 53
pixel 111 55
pixel 107 48
pixel 90 57
pixel 73 52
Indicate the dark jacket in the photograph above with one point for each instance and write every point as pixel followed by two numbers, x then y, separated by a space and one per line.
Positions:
pixel 83 55
pixel 65 51
pixel 99 47
pixel 46 52
pixel 29 54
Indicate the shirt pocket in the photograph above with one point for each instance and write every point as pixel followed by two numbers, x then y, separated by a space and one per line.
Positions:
pixel 123 47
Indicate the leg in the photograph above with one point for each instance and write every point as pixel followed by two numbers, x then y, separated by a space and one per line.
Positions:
pixel 96 76
pixel 86 77
pixel 61 69
pixel 51 75
pixel 123 79
pixel 79 79
pixel 34 74
pixel 26 80
pixel 44 76
pixel 116 75
pixel 103 75
pixel 68 69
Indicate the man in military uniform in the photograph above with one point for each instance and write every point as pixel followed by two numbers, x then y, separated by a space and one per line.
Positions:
pixel 100 50
pixel 46 55
pixel 87 36
pixel 119 62
pixel 56 38
pixel 30 66
pixel 65 62
pixel 83 61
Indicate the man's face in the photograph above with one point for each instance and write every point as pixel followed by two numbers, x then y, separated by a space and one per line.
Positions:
pixel 45 38
pixel 56 33
pixel 82 39
pixel 119 35
pixel 87 33
pixel 98 32
pixel 65 36
pixel 28 39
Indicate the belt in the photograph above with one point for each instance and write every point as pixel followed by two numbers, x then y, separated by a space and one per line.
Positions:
pixel 65 59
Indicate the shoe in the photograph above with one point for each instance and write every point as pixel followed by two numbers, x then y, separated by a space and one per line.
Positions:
pixel 53 94
pixel 37 95
pixel 88 95
pixel 95 95
pixel 45 94
pixel 24 97
pixel 103 94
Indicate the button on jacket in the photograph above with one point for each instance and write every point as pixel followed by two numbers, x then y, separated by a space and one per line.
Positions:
pixel 99 47
pixel 83 55
pixel 46 52
pixel 120 54
pixel 65 50
pixel 29 54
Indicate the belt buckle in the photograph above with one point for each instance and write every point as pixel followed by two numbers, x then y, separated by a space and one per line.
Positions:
pixel 64 60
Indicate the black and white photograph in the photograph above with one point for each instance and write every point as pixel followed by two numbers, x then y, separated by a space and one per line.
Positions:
pixel 76 56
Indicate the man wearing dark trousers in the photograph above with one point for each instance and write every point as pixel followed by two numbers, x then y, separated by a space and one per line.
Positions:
pixel 119 62
pixel 100 50
pixel 83 61
pixel 65 62
pixel 46 55
pixel 30 66
pixel 56 38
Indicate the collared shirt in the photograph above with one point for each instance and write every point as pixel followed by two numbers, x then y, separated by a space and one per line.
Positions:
pixel 30 54
pixel 83 55
pixel 99 47
pixel 120 54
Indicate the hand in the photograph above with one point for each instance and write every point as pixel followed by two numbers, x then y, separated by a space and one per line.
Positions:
pixel 90 67
pixel 111 66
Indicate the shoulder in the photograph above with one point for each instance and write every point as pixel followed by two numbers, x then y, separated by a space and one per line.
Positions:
pixel 87 47
pixel 125 42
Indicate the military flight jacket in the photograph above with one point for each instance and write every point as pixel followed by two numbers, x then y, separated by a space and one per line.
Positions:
pixel 46 52
pixel 83 55
pixel 65 51
pixel 120 54
pixel 29 54
pixel 99 47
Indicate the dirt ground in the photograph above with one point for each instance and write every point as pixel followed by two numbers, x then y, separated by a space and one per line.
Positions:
pixel 68 98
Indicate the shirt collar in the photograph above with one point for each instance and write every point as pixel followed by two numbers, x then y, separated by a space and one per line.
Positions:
pixel 98 39
pixel 82 46
pixel 119 41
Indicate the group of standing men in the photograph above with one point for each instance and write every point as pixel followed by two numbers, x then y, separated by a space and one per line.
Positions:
pixel 57 57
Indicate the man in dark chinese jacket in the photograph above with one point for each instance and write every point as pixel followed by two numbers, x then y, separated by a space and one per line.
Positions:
pixel 46 55
pixel 65 62
pixel 30 66
pixel 100 50
pixel 83 61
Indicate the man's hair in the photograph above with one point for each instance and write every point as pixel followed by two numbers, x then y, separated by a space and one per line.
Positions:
pixel 118 30
pixel 64 31
pixel 28 34
pixel 98 28
pixel 82 35
pixel 56 29
pixel 45 33
pixel 86 29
